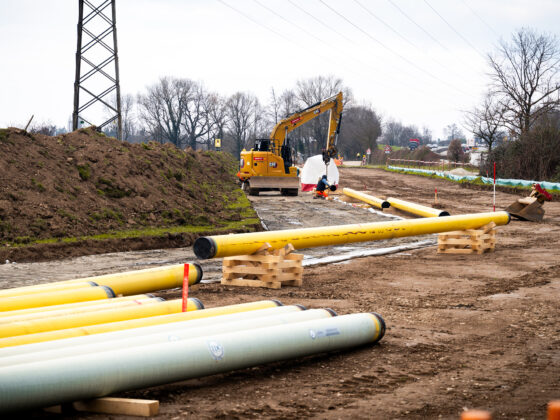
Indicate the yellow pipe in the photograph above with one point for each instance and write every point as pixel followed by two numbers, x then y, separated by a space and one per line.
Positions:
pixel 248 243
pixel 139 311
pixel 45 309
pixel 127 283
pixel 370 199
pixel 416 209
pixel 135 323
pixel 78 310
pixel 46 288
pixel 35 300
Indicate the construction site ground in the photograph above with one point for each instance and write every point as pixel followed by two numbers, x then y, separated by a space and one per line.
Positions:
pixel 463 331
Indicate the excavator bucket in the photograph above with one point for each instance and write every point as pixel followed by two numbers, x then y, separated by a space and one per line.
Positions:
pixel 527 209
pixel 286 185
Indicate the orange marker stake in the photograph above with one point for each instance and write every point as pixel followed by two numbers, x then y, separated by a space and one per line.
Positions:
pixel 553 412
pixel 185 287
pixel 476 415
pixel 436 197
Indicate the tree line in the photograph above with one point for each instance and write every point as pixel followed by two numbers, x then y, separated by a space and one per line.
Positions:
pixel 521 110
pixel 184 112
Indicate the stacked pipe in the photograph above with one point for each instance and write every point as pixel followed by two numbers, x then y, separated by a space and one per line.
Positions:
pixel 54 337
pixel 231 337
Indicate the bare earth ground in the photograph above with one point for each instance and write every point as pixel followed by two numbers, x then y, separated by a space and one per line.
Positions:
pixel 464 331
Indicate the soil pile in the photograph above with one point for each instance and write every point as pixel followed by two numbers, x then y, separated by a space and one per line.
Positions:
pixel 84 183
pixel 422 153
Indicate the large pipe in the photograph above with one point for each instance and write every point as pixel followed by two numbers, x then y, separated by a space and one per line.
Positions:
pixel 127 283
pixel 77 310
pixel 186 333
pixel 46 288
pixel 27 386
pixel 134 323
pixel 370 199
pixel 416 209
pixel 152 329
pixel 248 243
pixel 36 300
pixel 35 326
pixel 44 309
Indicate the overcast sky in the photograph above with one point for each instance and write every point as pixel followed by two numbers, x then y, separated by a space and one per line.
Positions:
pixel 420 62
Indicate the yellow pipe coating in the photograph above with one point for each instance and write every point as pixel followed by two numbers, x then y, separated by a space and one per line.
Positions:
pixel 35 300
pixel 127 283
pixel 135 323
pixel 78 310
pixel 370 199
pixel 35 326
pixel 45 288
pixel 248 243
pixel 416 209
pixel 45 309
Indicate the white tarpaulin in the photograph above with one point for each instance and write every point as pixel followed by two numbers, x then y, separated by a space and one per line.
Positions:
pixel 313 169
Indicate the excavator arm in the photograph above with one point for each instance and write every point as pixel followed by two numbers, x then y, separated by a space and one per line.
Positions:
pixel 333 104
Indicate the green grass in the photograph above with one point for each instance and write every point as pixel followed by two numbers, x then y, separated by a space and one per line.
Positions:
pixel 139 233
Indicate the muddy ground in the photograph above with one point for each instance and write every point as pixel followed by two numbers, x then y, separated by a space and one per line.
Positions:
pixel 464 331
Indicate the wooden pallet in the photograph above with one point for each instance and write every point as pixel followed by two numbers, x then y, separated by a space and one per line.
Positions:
pixel 469 241
pixel 266 268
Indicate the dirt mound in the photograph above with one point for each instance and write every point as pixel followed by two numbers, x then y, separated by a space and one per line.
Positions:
pixel 83 184
pixel 422 153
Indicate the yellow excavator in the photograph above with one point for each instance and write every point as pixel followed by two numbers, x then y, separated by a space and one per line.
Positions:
pixel 269 165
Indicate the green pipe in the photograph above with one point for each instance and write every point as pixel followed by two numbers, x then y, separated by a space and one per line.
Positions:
pixel 92 375
pixel 22 349
pixel 185 333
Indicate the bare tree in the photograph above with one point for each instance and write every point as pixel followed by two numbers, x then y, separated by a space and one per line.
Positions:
pixel 195 103
pixel 487 121
pixel 360 130
pixel 426 136
pixel 127 116
pixel 241 118
pixel 526 77
pixel 310 92
pixel 288 103
pixel 218 115
pixel 454 132
pixel 162 109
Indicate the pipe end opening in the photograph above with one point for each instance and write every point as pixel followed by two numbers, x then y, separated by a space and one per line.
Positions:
pixel 205 248
pixel 443 213
pixel 197 302
pixel 382 324
pixel 331 311
pixel 199 273
pixel 385 205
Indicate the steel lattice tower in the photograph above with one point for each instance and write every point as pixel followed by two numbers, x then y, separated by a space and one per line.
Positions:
pixel 99 80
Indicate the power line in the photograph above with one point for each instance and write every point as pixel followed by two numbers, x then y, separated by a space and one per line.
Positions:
pixel 479 18
pixel 285 38
pixel 402 37
pixel 419 26
pixel 407 85
pixel 454 30
pixel 391 50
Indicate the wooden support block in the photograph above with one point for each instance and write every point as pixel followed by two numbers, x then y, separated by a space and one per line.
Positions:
pixel 469 241
pixel 110 405
pixel 125 406
pixel 266 268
